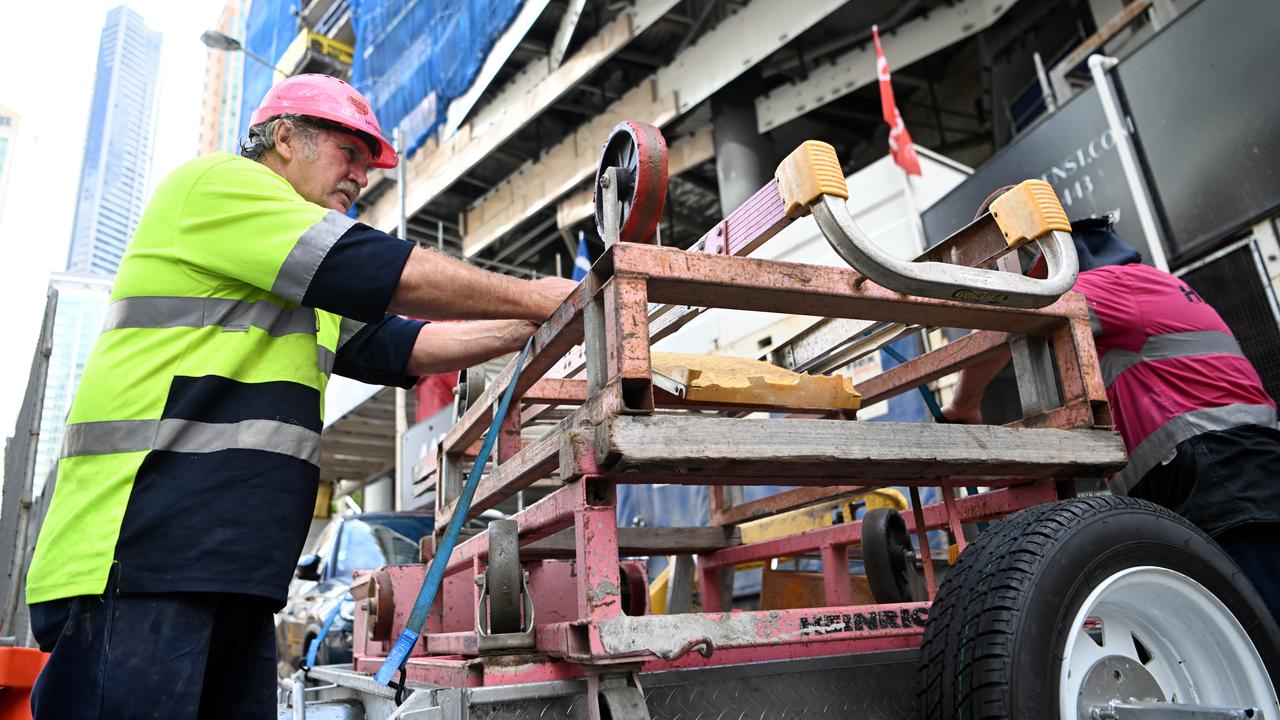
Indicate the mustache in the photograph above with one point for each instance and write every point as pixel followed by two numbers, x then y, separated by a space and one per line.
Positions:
pixel 349 188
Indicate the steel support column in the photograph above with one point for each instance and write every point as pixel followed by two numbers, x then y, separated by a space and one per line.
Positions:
pixel 744 161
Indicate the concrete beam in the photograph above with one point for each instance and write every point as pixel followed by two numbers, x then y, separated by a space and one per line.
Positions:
pixel 718 57
pixel 909 42
pixel 439 164
pixel 506 44
pixel 564 33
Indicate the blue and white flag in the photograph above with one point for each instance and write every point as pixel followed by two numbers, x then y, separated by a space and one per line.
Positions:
pixel 582 263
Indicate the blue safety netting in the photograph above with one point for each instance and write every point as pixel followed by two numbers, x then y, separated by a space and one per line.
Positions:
pixel 270 27
pixel 413 57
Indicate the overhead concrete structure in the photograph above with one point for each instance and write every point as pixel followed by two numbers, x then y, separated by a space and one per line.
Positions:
pixel 504 181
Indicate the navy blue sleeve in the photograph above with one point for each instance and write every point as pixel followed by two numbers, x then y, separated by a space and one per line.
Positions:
pixel 359 274
pixel 379 352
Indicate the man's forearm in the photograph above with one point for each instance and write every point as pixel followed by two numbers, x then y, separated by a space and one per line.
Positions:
pixel 438 287
pixel 450 346
pixel 974 379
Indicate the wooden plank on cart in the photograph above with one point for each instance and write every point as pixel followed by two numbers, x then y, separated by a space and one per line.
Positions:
pixel 690 449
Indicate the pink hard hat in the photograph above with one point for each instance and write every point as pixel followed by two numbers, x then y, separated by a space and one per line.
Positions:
pixel 327 98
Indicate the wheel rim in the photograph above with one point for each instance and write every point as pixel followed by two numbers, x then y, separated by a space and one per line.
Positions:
pixel 1149 628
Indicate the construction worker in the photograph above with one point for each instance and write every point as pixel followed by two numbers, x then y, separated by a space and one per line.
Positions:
pixel 188 473
pixel 1198 425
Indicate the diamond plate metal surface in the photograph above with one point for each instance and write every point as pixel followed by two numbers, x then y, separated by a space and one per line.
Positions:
pixel 569 708
pixel 883 692
pixel 868 692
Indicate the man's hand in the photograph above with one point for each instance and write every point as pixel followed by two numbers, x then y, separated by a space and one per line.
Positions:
pixel 965 406
pixel 553 291
pixel 963 413
pixel 518 333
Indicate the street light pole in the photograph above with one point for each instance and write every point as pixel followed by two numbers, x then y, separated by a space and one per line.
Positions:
pixel 220 41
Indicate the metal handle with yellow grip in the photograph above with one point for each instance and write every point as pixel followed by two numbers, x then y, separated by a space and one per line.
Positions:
pixel 1028 213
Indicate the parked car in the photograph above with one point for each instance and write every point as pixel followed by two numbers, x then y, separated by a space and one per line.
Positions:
pixel 323 576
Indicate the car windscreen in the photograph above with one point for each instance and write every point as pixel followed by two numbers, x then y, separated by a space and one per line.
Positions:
pixel 373 544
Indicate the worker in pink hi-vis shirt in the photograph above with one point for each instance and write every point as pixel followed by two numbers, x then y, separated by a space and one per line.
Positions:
pixel 1198 425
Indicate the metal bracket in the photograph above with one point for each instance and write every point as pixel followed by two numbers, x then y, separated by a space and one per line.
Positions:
pixel 618 693
pixel 670 385
pixel 612 208
pixel 503 642
pixel 1033 363
pixel 1171 711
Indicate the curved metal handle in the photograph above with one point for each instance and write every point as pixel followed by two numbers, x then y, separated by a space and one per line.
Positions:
pixel 943 280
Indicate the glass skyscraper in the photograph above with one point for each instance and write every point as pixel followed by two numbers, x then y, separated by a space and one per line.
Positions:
pixel 8 134
pixel 113 188
pixel 117 152
pixel 82 305
pixel 223 78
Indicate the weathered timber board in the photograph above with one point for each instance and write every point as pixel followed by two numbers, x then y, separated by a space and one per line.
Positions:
pixel 844 450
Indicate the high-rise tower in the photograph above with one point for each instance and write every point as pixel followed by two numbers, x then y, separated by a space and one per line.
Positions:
pixel 117 152
pixel 223 79
pixel 8 135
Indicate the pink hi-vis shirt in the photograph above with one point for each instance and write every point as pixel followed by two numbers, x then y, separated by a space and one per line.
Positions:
pixel 1171 366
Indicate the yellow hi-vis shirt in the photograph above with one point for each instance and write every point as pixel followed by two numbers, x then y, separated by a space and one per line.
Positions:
pixel 191 452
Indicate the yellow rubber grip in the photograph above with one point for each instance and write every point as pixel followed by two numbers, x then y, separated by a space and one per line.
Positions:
pixel 809 172
pixel 1029 210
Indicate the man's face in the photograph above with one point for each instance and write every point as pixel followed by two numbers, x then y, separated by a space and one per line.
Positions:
pixel 333 172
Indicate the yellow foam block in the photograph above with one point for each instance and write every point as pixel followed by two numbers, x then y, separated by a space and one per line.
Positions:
pixel 1029 210
pixel 742 381
pixel 809 172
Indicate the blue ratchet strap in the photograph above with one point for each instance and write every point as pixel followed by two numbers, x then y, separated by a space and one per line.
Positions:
pixel 435 573
pixel 934 409
pixel 324 631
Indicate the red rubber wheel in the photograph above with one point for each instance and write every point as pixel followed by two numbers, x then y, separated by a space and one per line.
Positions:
pixel 639 152
pixel 634 593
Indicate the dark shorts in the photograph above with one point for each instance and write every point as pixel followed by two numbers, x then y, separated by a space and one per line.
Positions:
pixel 1220 480
pixel 1256 549
pixel 1227 483
pixel 172 656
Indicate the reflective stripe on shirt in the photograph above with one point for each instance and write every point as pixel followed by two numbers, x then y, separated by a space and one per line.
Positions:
pixel 1166 346
pixel 197 312
pixel 348 330
pixel 304 259
pixel 189 436
pixel 1160 444
pixel 324 359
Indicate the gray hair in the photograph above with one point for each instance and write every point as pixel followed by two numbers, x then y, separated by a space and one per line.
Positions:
pixel 262 137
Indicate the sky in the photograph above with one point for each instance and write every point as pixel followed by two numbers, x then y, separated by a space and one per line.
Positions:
pixel 48 57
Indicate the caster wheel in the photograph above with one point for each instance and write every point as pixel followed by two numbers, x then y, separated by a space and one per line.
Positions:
pixel 639 152
pixel 471 383
pixel 888 556
pixel 502 578
pixel 623 703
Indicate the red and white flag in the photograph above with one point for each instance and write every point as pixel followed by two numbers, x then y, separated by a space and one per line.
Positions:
pixel 900 147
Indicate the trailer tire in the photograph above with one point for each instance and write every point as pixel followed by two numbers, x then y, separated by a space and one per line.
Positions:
pixel 996 644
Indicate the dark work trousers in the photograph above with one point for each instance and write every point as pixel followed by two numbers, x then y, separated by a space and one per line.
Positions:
pixel 1256 549
pixel 1227 483
pixel 173 656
